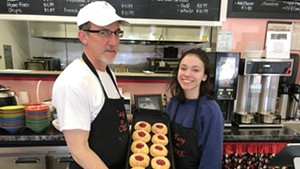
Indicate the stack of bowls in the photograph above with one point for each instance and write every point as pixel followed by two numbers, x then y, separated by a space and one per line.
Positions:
pixel 31 104
pixel 12 118
pixel 37 117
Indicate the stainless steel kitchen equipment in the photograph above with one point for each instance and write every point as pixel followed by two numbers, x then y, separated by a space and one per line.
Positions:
pixel 23 161
pixel 37 157
pixel 42 63
pixel 257 90
pixel 291 79
pixel 162 65
pixel 58 160
pixel 284 100
pixel 294 106
pixel 224 68
pixel 7 96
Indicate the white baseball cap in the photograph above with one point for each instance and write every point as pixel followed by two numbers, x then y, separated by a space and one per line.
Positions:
pixel 99 13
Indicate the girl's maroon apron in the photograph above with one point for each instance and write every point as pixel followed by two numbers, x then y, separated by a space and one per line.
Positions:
pixel 109 134
pixel 185 143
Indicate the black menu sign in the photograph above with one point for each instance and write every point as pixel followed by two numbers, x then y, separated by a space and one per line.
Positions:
pixel 264 9
pixel 204 10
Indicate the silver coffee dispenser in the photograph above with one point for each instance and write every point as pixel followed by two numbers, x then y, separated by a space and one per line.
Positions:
pixel 293 111
pixel 284 92
pixel 257 90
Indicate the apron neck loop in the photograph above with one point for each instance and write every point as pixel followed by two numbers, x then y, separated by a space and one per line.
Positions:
pixel 89 64
pixel 92 68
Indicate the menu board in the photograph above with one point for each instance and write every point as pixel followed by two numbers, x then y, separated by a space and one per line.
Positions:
pixel 205 10
pixel 273 9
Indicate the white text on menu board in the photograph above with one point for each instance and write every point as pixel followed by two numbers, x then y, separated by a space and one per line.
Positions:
pixel 244 5
pixel 201 8
pixel 127 9
pixel 49 6
pixel 15 6
pixel 79 4
pixel 184 6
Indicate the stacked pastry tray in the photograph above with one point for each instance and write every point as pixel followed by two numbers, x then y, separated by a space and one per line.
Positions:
pixel 152 116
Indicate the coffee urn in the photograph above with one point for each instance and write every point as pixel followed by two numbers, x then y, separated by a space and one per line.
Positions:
pixel 295 96
pixel 257 91
pixel 284 100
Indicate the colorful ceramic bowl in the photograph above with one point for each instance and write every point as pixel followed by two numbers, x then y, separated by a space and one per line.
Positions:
pixel 27 104
pixel 12 129
pixel 11 108
pixel 37 108
pixel 11 115
pixel 37 127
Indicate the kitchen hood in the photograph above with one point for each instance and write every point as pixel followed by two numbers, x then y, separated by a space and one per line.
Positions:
pixel 132 33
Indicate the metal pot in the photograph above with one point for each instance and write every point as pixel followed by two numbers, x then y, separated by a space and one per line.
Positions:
pixel 7 96
pixel 268 118
pixel 246 118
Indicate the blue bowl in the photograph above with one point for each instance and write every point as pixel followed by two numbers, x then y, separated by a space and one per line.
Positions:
pixel 12 129
pixel 14 118
pixel 12 121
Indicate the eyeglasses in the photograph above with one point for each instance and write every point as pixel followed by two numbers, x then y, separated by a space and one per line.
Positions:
pixel 107 33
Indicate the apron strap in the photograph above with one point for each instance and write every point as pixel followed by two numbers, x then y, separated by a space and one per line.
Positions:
pixel 92 68
pixel 111 76
pixel 196 113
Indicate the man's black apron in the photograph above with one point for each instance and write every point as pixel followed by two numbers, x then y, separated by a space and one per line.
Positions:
pixel 185 143
pixel 109 134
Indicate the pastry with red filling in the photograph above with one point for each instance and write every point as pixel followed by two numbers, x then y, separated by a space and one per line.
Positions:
pixel 139 160
pixel 141 135
pixel 158 150
pixel 142 125
pixel 159 128
pixel 160 139
pixel 160 163
pixel 139 146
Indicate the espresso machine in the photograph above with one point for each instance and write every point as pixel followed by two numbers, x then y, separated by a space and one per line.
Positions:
pixel 224 70
pixel 257 91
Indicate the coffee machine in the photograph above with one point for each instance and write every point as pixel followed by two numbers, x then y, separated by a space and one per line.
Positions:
pixel 224 68
pixel 257 91
pixel 289 93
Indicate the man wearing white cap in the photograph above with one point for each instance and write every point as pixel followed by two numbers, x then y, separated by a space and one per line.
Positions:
pixel 90 108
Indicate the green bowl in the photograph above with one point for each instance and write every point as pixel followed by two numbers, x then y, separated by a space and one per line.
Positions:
pixel 37 120
pixel 37 127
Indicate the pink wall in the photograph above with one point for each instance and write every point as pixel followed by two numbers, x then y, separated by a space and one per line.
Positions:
pixel 45 88
pixel 249 34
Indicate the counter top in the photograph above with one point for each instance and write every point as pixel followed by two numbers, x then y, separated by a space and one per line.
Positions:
pixel 260 134
pixel 18 74
pixel 26 137
pixel 52 137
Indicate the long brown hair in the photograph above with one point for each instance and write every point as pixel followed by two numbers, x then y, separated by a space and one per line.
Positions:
pixel 205 87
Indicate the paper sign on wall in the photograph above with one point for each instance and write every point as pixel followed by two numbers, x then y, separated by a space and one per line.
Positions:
pixel 278 44
pixel 224 43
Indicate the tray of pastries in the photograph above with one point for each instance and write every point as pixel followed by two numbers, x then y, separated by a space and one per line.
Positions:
pixel 150 144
